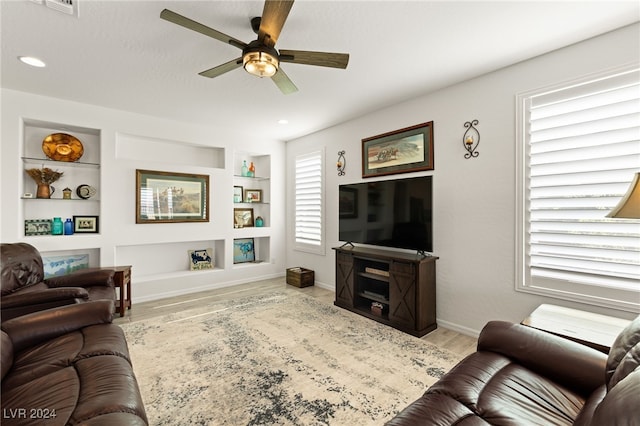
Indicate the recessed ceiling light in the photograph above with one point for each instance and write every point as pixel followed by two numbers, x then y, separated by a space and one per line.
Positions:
pixel 283 121
pixel 34 62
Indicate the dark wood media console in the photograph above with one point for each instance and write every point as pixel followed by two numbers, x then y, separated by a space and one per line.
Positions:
pixel 393 288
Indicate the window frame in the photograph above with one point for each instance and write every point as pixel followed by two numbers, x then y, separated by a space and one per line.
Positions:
pixel 622 299
pixel 302 246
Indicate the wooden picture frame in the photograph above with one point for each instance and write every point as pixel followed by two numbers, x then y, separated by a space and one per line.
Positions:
pixel 401 151
pixel 168 197
pixel 242 218
pixel 253 195
pixel 244 250
pixel 86 224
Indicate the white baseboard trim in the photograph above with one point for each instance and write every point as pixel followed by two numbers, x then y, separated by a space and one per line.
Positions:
pixel 459 328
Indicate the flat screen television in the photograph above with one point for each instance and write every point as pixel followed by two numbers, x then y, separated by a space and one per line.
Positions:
pixel 391 213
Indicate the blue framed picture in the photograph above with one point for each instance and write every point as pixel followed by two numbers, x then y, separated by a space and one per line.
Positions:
pixel 243 250
pixel 55 266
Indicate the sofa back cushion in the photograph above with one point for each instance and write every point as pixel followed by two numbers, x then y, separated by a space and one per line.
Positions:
pixel 6 347
pixel 21 267
pixel 624 356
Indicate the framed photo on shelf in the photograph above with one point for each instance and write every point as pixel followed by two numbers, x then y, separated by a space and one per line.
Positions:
pixel 401 151
pixel 168 197
pixel 243 250
pixel 253 195
pixel 201 259
pixel 37 227
pixel 237 194
pixel 86 224
pixel 242 218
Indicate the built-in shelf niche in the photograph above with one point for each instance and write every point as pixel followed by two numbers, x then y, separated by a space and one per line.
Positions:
pixel 262 251
pixel 165 260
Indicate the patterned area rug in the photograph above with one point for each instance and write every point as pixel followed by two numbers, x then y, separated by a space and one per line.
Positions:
pixel 282 359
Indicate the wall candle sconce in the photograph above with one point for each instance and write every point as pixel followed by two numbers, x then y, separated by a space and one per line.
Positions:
pixel 471 139
pixel 341 163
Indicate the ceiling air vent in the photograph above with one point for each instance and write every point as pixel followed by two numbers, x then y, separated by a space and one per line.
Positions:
pixel 70 7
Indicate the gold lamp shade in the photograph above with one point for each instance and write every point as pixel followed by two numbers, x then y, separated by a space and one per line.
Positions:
pixel 629 205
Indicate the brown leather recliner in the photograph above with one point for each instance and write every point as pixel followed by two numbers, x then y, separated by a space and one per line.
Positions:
pixel 524 376
pixel 68 366
pixel 25 290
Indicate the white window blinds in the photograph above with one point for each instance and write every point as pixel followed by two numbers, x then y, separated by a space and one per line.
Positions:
pixel 583 146
pixel 308 204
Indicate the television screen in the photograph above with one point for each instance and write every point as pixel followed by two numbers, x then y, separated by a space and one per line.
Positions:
pixel 392 213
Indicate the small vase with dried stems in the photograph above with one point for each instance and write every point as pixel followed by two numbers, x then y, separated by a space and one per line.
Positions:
pixel 44 177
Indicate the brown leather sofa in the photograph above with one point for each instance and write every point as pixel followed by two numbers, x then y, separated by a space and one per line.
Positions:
pixel 523 376
pixel 24 289
pixel 68 366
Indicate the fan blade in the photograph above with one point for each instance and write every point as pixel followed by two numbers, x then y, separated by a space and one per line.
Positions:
pixel 322 59
pixel 274 15
pixel 170 16
pixel 283 82
pixel 221 69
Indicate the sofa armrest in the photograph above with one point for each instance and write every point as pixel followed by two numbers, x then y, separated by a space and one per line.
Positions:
pixel 83 278
pixel 37 297
pixel 568 363
pixel 30 329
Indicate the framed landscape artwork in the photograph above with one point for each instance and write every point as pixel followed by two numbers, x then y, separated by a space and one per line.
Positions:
pixel 166 197
pixel 401 151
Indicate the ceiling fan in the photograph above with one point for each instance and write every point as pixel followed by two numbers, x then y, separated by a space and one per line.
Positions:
pixel 260 56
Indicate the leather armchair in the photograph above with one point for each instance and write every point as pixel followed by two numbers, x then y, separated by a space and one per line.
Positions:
pixel 24 288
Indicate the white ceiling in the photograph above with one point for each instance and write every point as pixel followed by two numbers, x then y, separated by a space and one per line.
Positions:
pixel 120 54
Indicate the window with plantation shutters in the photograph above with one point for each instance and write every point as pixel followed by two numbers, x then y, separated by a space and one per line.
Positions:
pixel 309 217
pixel 579 148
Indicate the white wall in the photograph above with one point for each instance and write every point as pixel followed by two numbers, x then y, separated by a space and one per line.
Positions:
pixel 118 230
pixel 474 200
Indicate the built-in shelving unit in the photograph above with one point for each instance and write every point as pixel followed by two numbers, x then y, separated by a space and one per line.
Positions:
pixel 259 182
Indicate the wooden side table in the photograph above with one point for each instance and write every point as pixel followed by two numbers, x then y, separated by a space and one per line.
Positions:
pixel 593 330
pixel 122 280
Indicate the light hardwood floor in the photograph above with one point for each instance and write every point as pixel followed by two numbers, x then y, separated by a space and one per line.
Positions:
pixel 442 337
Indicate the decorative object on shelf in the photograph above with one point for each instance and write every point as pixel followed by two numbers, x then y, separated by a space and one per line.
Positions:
pixel 253 195
pixel 37 227
pixel 57 227
pixel 56 266
pixel 341 163
pixel 252 170
pixel 259 222
pixel 243 250
pixel 86 224
pixel 68 226
pixel 629 205
pixel 244 170
pixel 471 139
pixel 85 191
pixel 348 202
pixel 167 197
pixel 237 194
pixel 28 195
pixel 201 259
pixel 62 147
pixel 44 177
pixel 242 218
pixel 401 151
pixel 66 194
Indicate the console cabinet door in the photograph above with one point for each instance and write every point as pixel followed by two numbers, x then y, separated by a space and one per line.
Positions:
pixel 344 279
pixel 402 294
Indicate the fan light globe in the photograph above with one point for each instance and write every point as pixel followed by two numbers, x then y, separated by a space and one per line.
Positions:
pixel 261 64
